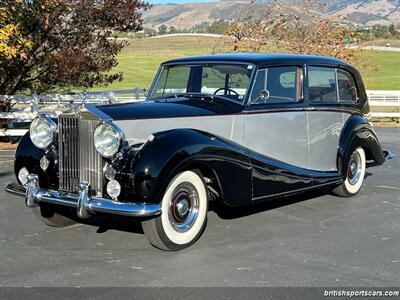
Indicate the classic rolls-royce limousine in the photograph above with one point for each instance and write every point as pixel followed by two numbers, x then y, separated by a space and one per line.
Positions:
pixel 236 128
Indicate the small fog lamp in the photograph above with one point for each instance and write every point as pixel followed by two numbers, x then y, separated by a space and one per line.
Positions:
pixel 23 176
pixel 44 163
pixel 113 189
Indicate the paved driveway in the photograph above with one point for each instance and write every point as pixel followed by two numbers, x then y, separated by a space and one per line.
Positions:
pixel 313 239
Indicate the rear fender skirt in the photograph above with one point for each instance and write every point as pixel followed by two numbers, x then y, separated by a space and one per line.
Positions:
pixel 357 132
pixel 175 150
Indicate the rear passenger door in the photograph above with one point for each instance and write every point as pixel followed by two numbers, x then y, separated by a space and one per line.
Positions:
pixel 329 90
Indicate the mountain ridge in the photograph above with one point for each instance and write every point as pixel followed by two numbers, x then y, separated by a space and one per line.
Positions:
pixel 185 16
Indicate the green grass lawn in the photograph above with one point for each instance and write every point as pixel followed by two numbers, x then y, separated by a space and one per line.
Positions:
pixel 139 61
pixel 388 78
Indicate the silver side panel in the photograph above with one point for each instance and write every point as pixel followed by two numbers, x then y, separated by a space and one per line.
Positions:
pixel 325 128
pixel 230 127
pixel 282 136
pixel 304 139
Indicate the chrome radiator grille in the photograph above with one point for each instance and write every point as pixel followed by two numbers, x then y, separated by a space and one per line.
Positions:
pixel 78 158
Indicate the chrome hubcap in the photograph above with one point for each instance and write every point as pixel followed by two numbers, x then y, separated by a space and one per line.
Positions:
pixel 184 207
pixel 354 168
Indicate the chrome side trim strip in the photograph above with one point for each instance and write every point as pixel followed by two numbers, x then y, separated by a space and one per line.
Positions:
pixel 88 204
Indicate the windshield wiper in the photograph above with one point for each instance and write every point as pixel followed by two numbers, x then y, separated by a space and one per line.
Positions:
pixel 207 96
pixel 198 95
pixel 194 96
pixel 167 96
pixel 187 95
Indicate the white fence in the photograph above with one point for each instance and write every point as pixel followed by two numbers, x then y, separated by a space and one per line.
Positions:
pixel 22 109
pixel 383 98
pixel 98 97
pixel 382 48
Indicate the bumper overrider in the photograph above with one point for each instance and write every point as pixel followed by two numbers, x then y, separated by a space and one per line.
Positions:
pixel 84 204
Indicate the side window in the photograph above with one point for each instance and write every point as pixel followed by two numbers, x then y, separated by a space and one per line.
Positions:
pixel 277 85
pixel 346 86
pixel 322 84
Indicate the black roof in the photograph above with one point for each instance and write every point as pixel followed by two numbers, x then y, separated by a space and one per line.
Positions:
pixel 260 58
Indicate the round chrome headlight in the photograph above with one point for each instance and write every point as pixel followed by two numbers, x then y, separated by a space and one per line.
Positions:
pixel 107 139
pixel 42 132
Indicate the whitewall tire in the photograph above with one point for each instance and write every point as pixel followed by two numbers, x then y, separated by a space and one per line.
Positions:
pixel 355 173
pixel 183 216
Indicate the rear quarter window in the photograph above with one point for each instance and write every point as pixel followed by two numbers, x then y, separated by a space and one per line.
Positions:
pixel 346 86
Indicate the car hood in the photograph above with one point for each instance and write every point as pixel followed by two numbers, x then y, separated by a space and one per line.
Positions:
pixel 169 109
pixel 141 119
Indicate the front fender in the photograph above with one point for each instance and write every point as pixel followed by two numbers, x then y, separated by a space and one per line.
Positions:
pixel 28 155
pixel 175 150
pixel 357 132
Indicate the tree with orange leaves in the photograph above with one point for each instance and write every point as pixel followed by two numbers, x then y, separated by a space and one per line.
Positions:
pixel 301 27
pixel 62 44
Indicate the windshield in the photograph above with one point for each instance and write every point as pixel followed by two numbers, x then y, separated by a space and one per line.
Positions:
pixel 230 81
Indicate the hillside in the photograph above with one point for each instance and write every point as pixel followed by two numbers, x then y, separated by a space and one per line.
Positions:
pixel 370 13
pixel 184 16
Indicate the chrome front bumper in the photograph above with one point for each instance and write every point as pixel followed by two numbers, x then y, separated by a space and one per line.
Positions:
pixel 84 204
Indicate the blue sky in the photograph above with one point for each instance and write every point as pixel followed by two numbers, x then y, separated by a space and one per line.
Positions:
pixel 177 1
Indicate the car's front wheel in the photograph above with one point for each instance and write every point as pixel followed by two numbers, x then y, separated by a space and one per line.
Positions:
pixel 50 215
pixel 183 213
pixel 355 173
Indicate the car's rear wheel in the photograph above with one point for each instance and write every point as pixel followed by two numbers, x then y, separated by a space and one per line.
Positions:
pixel 355 173
pixel 183 213
pixel 50 216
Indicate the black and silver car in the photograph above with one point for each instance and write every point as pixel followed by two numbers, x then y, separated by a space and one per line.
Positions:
pixel 236 128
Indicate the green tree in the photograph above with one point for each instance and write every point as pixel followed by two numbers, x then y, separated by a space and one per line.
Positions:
pixel 60 44
pixel 149 32
pixel 162 29
pixel 172 29
pixel 218 27
pixel 392 31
